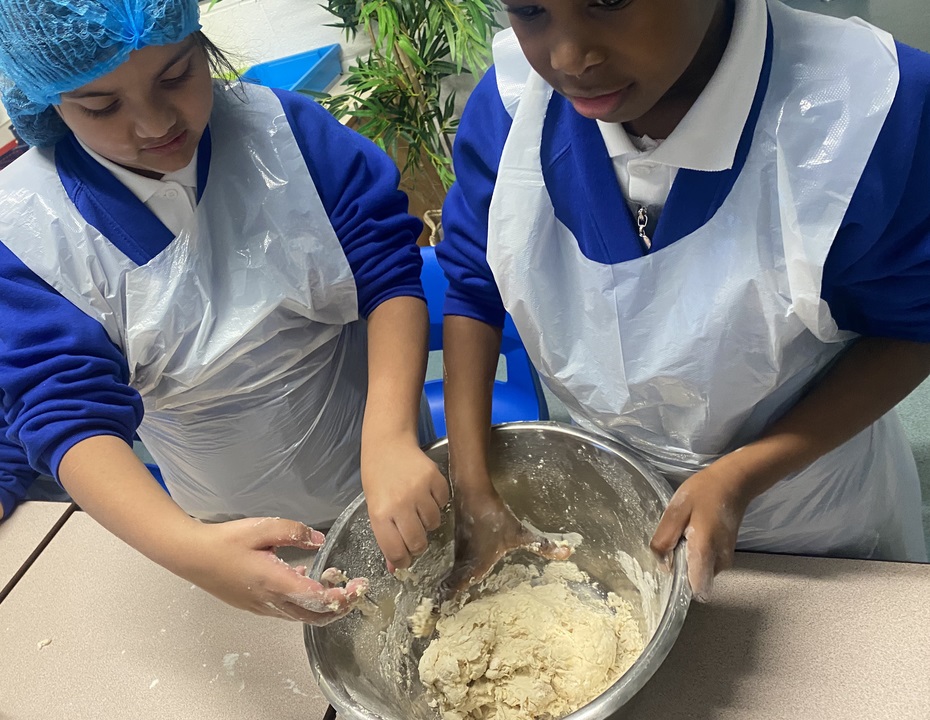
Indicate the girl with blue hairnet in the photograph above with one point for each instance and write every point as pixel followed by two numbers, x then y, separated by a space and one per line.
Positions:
pixel 226 271
pixel 710 221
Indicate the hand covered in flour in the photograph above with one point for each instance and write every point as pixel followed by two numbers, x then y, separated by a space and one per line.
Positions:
pixel 707 511
pixel 485 531
pixel 235 561
pixel 405 494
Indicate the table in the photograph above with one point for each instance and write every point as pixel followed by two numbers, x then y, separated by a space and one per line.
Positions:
pixel 799 638
pixel 23 532
pixel 95 630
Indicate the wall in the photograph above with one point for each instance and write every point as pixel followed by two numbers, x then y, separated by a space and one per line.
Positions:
pixel 907 20
pixel 253 31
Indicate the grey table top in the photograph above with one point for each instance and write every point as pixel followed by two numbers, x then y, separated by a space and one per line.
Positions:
pixel 23 531
pixel 797 638
pixel 95 630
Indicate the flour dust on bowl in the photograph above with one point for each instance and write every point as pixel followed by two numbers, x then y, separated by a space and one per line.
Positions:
pixel 556 478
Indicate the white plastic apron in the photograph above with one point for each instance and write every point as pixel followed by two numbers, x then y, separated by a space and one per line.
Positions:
pixel 243 336
pixel 689 352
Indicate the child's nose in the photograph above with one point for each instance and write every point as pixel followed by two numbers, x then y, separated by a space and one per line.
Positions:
pixel 573 57
pixel 155 121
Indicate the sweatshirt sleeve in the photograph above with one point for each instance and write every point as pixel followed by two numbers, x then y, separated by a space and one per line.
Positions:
pixel 876 279
pixel 462 254
pixel 61 378
pixel 358 185
pixel 15 473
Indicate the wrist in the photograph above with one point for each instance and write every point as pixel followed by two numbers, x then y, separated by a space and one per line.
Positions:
pixel 388 423
pixel 477 493
pixel 181 551
pixel 756 467
pixel 376 437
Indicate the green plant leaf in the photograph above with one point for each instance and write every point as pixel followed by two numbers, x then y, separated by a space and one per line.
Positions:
pixel 394 92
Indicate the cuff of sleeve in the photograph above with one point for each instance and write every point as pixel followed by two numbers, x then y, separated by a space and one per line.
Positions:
pixel 409 291
pixel 488 314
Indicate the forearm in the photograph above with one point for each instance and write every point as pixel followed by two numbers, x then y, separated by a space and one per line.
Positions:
pixel 470 350
pixel 103 475
pixel 397 341
pixel 868 381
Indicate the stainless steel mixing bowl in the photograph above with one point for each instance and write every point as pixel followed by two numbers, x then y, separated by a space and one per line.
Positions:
pixel 560 479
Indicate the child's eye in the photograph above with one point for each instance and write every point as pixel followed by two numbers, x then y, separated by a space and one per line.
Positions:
pixel 102 112
pixel 178 79
pixel 611 4
pixel 525 12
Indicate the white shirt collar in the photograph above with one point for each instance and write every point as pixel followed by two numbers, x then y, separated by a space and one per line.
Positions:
pixel 143 187
pixel 707 137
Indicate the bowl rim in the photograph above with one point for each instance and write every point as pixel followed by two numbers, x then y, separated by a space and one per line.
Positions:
pixel 627 685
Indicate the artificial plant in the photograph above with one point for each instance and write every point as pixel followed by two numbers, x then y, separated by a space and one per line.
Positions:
pixel 395 93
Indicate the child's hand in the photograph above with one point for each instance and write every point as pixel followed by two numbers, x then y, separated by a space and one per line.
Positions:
pixel 235 561
pixel 405 493
pixel 486 530
pixel 707 511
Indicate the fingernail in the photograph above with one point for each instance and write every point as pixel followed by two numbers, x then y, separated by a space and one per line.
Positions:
pixel 317 538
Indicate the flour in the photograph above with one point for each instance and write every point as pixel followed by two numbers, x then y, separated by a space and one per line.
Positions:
pixel 532 645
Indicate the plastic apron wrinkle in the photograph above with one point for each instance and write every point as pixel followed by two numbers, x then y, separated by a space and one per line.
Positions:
pixel 243 336
pixel 690 352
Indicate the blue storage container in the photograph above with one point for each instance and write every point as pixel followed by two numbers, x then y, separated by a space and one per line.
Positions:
pixel 312 70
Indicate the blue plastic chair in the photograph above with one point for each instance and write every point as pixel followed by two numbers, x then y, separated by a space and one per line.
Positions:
pixel 520 397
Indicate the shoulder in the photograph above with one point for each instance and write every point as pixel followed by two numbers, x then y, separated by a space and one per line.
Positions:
pixel 903 145
pixel 308 118
pixel 29 172
pixel 326 144
pixel 914 86
pixel 485 123
pixel 485 100
pixel 302 106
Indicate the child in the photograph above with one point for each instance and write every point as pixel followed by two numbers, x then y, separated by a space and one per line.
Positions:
pixel 710 222
pixel 206 264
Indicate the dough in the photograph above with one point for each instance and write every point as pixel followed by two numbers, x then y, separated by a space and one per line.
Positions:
pixel 423 620
pixel 532 646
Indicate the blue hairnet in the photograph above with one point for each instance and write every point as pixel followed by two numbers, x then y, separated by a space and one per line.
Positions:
pixel 48 47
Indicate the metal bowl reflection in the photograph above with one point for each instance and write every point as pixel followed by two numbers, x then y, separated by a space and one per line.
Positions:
pixel 558 478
